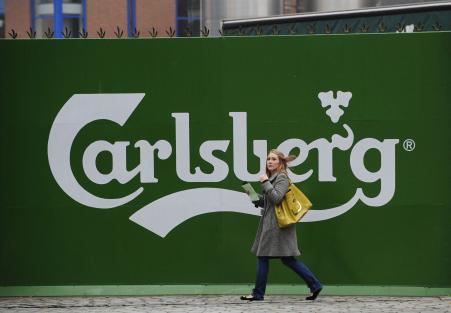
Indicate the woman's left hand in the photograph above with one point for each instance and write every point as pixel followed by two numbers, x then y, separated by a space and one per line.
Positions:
pixel 263 178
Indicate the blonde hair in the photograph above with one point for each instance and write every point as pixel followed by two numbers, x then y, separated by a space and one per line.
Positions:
pixel 283 160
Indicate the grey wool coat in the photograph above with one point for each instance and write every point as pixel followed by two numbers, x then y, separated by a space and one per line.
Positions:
pixel 271 240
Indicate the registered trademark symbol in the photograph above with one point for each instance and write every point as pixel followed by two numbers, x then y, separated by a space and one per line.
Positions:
pixel 409 145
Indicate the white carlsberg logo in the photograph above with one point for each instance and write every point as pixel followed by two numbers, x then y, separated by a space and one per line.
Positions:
pixel 162 215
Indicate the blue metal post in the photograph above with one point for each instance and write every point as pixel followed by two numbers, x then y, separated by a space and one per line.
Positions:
pixel 131 10
pixel 133 14
pixel 84 16
pixel 58 18
pixel 33 14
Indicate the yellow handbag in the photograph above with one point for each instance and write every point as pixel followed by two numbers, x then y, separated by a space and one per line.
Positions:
pixel 293 207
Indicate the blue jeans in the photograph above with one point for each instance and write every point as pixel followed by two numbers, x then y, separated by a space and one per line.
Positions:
pixel 296 265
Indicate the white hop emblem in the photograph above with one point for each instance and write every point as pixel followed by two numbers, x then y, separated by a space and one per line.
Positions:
pixel 328 100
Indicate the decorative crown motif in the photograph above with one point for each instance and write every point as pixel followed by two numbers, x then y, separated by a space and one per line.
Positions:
pixel 327 100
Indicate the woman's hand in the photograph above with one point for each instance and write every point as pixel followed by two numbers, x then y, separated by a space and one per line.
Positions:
pixel 263 178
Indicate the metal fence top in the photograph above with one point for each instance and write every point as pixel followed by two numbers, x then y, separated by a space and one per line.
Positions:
pixel 384 10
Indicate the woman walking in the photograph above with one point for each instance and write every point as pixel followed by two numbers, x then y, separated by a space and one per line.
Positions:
pixel 271 241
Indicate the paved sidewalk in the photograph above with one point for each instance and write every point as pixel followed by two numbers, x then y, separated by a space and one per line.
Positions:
pixel 221 303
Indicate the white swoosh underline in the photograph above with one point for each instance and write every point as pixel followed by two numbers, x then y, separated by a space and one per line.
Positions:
pixel 164 214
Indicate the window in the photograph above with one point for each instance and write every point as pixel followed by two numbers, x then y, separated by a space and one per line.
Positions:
pixel 59 16
pixel 188 18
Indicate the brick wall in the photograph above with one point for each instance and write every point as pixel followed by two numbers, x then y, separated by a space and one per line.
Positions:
pixel 159 14
pixel 289 7
pixel 17 17
pixel 107 14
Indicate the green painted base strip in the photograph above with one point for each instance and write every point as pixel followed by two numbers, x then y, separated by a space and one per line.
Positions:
pixel 144 290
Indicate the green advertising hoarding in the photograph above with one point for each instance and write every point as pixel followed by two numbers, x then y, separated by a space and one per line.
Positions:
pixel 122 160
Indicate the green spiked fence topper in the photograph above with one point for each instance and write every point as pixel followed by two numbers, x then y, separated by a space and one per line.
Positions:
pixel 122 161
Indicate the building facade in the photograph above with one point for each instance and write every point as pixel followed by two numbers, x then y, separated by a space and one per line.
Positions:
pixel 128 18
pixel 93 19
pixel 146 18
